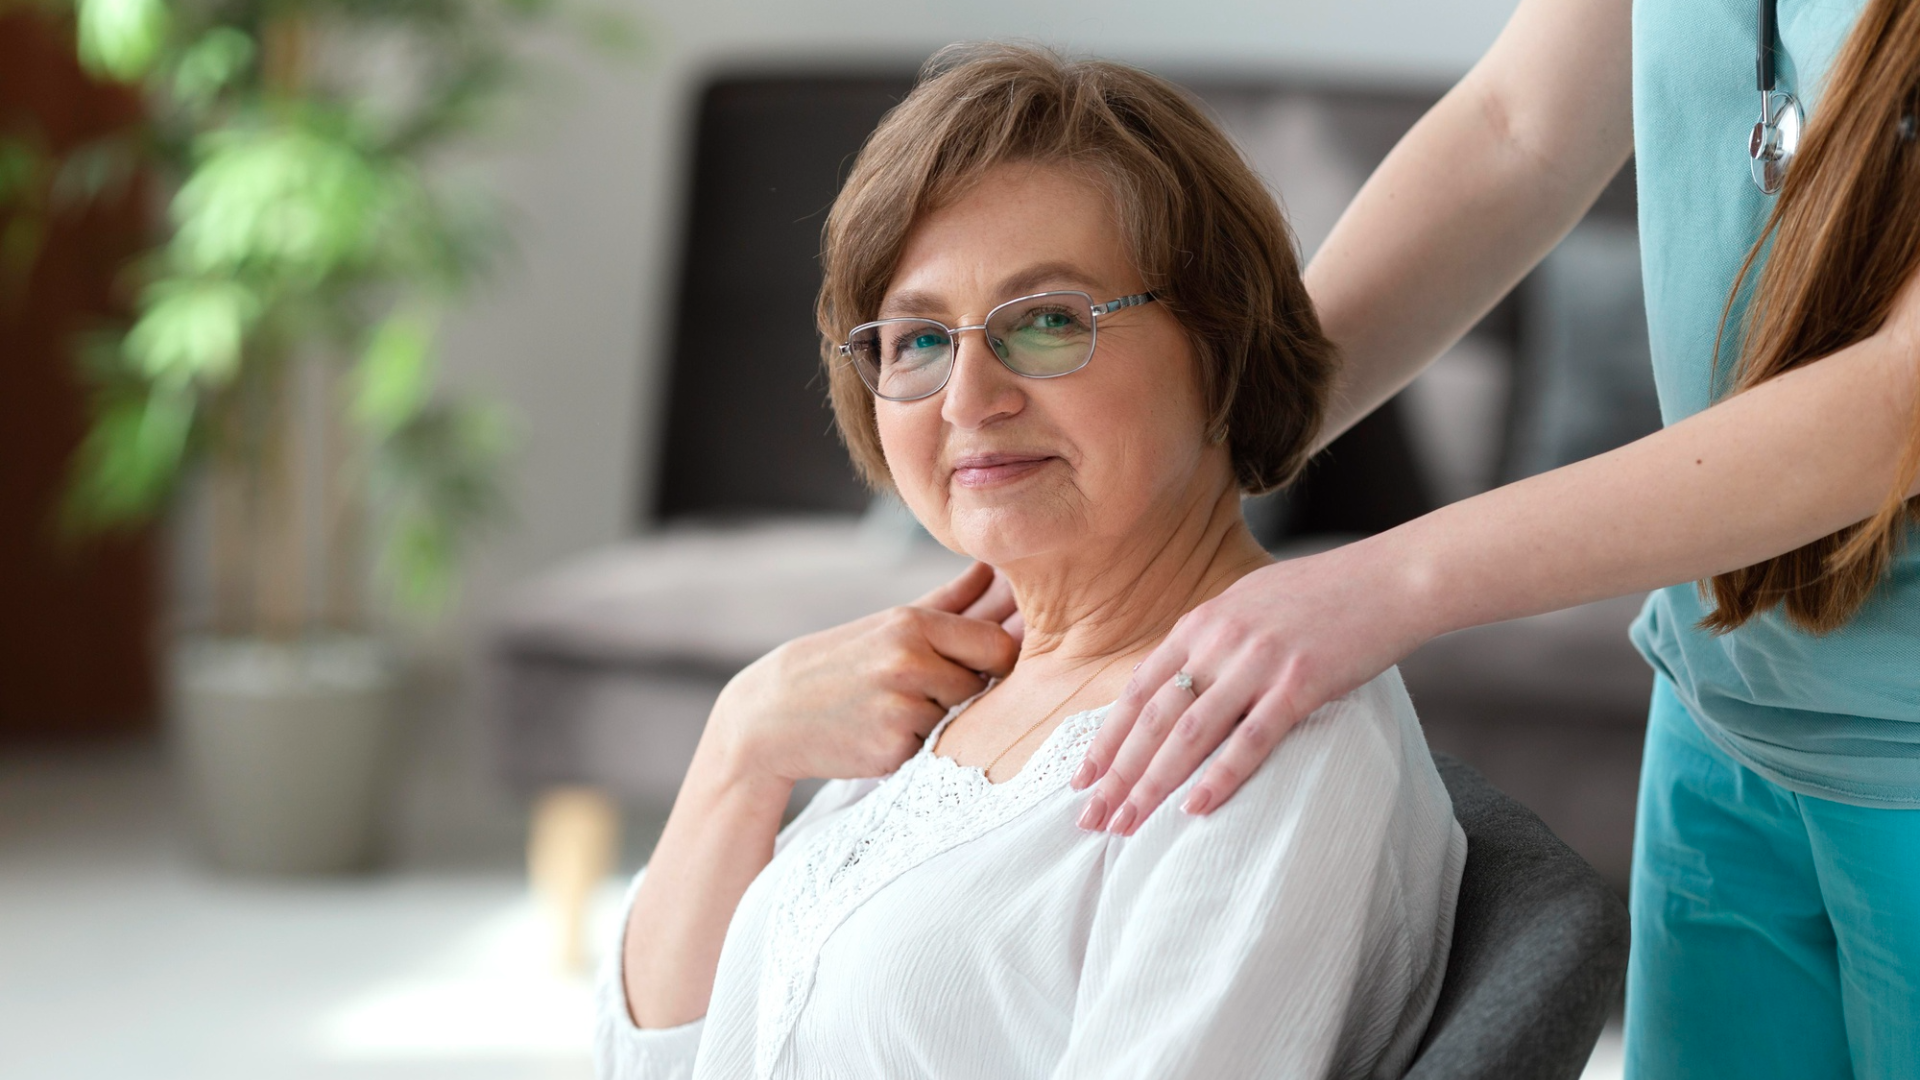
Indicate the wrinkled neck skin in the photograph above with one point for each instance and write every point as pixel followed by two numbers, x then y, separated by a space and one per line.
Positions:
pixel 1110 597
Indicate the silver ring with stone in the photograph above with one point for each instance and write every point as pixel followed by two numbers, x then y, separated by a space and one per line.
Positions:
pixel 1185 682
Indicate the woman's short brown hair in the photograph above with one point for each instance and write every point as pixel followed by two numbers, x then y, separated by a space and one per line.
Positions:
pixel 1206 236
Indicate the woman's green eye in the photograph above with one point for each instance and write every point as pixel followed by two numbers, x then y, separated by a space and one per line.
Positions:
pixel 1051 323
pixel 924 341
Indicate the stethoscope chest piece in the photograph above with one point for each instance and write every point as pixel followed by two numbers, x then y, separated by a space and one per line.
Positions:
pixel 1775 138
pixel 1776 135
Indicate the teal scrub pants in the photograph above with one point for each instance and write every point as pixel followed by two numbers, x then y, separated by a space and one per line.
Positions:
pixel 1774 934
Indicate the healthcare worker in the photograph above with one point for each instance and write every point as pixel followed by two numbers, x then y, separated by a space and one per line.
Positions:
pixel 1776 879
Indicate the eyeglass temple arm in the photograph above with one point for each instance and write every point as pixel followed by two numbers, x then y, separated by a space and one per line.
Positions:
pixel 1112 306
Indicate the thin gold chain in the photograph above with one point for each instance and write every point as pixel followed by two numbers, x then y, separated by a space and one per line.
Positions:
pixel 988 771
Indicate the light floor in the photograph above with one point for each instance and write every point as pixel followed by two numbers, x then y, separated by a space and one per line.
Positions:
pixel 122 957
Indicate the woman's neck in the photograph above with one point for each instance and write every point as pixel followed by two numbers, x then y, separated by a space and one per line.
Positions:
pixel 1103 603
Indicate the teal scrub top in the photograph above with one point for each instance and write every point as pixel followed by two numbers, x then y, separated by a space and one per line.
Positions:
pixel 1835 716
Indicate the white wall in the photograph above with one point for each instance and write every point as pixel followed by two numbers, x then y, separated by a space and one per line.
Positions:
pixel 570 334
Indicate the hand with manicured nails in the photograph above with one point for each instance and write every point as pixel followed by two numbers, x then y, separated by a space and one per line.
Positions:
pixel 860 698
pixel 1264 654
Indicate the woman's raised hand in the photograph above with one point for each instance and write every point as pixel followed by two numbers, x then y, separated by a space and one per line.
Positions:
pixel 859 699
pixel 1264 654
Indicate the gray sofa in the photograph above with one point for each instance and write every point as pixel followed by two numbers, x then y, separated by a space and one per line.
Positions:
pixel 604 669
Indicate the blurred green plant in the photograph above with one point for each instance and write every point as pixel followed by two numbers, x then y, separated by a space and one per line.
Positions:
pixel 297 144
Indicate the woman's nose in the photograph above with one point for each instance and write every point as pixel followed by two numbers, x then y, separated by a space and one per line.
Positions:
pixel 980 389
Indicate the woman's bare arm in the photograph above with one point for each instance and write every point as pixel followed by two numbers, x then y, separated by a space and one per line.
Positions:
pixel 1474 196
pixel 1765 472
pixel 718 838
pixel 854 700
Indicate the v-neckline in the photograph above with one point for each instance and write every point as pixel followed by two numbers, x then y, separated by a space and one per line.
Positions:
pixel 977 773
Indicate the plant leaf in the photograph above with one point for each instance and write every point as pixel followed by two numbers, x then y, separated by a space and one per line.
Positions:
pixel 440 475
pixel 290 200
pixel 209 64
pixel 192 331
pixel 395 375
pixel 121 38
pixel 614 33
pixel 20 165
pixel 99 168
pixel 130 459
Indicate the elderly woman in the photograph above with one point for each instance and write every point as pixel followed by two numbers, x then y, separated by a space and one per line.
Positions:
pixel 1065 324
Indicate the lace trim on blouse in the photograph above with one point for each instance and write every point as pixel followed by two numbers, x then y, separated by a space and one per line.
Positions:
pixel 930 805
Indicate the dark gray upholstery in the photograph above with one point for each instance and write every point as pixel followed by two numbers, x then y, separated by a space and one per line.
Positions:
pixel 1539 948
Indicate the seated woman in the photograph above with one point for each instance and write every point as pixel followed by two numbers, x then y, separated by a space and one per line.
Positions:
pixel 1065 324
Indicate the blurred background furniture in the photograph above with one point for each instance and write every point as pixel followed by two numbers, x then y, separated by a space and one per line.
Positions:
pixel 604 668
pixel 1539 948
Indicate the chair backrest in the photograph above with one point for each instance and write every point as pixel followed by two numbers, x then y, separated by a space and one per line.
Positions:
pixel 746 428
pixel 1539 948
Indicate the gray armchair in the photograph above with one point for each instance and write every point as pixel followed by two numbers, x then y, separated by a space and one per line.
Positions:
pixel 1539 948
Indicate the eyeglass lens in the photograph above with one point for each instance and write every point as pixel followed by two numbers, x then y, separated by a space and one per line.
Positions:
pixel 1037 336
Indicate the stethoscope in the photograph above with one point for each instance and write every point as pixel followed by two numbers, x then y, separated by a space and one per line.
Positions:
pixel 1776 135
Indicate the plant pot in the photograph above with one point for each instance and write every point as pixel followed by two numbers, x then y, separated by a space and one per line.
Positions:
pixel 287 749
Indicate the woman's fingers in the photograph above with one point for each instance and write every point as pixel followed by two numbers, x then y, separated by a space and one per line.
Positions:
pixel 1247 746
pixel 1108 805
pixel 946 682
pixel 957 595
pixel 975 644
pixel 995 605
pixel 984 594
pixel 1153 673
pixel 1198 730
pixel 1273 647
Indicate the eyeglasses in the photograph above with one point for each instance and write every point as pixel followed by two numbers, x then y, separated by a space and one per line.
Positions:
pixel 1043 336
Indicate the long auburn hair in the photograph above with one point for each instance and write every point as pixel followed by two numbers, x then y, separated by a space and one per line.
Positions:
pixel 1842 239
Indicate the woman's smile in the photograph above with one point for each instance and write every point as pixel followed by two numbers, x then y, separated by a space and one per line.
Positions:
pixel 993 470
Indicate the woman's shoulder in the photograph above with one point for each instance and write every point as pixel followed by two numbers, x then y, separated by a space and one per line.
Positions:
pixel 1349 800
pixel 1364 747
pixel 1373 726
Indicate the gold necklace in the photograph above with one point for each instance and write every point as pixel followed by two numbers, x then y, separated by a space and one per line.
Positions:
pixel 988 771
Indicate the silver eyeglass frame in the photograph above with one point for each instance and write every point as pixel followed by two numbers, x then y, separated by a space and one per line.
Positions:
pixel 845 348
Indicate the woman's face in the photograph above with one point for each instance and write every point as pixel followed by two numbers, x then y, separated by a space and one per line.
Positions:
pixel 1007 468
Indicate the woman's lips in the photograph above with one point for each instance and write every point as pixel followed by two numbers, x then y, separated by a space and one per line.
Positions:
pixel 982 472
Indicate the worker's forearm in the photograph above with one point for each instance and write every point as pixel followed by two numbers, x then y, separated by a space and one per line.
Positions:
pixel 718 838
pixel 1760 474
pixel 1473 197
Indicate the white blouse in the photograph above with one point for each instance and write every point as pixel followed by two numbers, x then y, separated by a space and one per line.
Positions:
pixel 935 924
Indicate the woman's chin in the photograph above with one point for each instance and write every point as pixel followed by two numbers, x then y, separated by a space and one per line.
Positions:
pixel 1004 536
